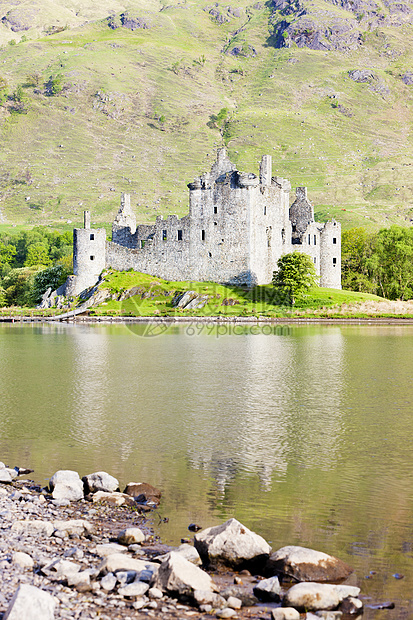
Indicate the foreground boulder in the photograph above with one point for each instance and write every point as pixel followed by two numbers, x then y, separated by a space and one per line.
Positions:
pixel 66 484
pixel 100 481
pixel 318 596
pixel 233 545
pixel 304 564
pixel 144 493
pixel 179 577
pixel 268 589
pixel 30 603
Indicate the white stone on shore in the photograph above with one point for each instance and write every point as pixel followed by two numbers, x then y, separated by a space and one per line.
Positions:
pixel 285 613
pixel 316 596
pixel 231 544
pixel 32 528
pixel 30 603
pixel 108 582
pixel 268 589
pixel 187 551
pixel 107 549
pixel 22 560
pixel 178 576
pixel 137 588
pixel 75 527
pixel 131 536
pixel 119 562
pixel 234 602
pixel 155 593
pixel 66 484
pixel 100 481
pixel 227 612
pixel 207 597
pixel 115 499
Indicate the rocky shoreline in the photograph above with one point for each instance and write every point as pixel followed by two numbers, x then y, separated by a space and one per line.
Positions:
pixel 82 549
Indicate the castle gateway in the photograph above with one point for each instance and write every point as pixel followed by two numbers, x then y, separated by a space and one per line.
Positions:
pixel 237 228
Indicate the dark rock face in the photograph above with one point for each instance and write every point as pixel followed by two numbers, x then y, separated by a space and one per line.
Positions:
pixel 407 78
pixel 246 51
pixel 327 33
pixel 18 20
pixel 361 75
pixel 133 22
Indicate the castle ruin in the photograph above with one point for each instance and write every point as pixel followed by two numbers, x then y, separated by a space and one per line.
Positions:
pixel 239 225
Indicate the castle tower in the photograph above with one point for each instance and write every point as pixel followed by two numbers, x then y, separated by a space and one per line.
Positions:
pixel 330 255
pixel 89 256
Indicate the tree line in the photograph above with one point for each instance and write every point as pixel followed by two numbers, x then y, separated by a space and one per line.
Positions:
pixel 30 262
pixel 378 262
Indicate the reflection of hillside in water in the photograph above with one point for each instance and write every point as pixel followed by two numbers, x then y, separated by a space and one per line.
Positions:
pixel 285 411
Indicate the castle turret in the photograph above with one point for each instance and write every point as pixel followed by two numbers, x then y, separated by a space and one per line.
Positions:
pixel 330 255
pixel 89 257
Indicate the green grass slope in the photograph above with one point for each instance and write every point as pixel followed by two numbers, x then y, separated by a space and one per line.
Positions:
pixel 135 110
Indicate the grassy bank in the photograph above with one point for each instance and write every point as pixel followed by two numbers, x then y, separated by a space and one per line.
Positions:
pixel 153 297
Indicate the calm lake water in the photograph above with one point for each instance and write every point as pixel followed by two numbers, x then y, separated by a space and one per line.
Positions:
pixel 305 434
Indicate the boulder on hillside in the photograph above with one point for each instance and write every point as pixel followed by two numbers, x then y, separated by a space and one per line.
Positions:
pixel 179 577
pixel 232 544
pixel 100 481
pixel 144 493
pixel 318 596
pixel 304 564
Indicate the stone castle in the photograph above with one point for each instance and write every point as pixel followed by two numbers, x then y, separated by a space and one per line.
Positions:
pixel 239 224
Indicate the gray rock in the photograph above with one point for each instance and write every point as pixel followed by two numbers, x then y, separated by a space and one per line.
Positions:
pixel 32 528
pixel 5 476
pixel 67 491
pixel 30 603
pixel 304 564
pixel 65 476
pixel 62 568
pixel 407 78
pixel 285 613
pixel 178 576
pixel 137 588
pixel 268 589
pixel 131 536
pixel 246 597
pixel 155 593
pixel 361 75
pixel 75 527
pixel 234 603
pixel 109 549
pixel 119 562
pixel 232 544
pixel 108 582
pixel 100 481
pixel 317 596
pixel 206 597
pixel 187 551
pixel 351 606
pixel 80 581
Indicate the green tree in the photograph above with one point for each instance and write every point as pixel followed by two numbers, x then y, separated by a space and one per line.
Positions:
pixel 51 277
pixel 37 254
pixel 296 274
pixel 392 262
pixel 54 85
pixel 357 247
pixel 7 253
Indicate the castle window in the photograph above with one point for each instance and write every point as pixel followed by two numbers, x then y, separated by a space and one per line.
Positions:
pixel 92 258
pixel 209 254
pixel 203 235
pixel 309 239
pixel 179 235
pixel 215 224
pixel 142 243
pixel 164 235
pixel 92 237
pixel 265 210
pixel 215 209
pixel 315 240
pixel 334 261
pixel 315 260
pixel 334 240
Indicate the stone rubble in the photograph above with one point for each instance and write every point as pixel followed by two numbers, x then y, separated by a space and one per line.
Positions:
pixel 78 559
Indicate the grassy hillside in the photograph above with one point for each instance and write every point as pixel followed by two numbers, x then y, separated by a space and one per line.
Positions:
pixel 135 110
